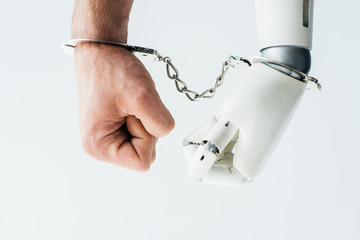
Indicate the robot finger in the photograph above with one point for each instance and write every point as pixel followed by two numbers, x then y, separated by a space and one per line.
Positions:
pixel 194 139
pixel 214 143
pixel 222 173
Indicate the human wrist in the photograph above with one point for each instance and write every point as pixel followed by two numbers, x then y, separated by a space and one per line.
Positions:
pixel 89 51
pixel 101 19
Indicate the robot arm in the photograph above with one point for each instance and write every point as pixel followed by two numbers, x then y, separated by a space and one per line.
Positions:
pixel 233 149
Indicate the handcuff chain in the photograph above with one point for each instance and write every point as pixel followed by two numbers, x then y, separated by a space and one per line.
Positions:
pixel 181 86
pixel 173 73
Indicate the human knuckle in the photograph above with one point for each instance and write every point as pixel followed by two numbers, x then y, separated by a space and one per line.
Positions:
pixel 167 127
pixel 170 125
pixel 143 94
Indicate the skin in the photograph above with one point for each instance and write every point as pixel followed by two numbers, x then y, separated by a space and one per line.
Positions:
pixel 121 113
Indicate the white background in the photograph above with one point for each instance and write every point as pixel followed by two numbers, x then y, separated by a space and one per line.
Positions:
pixel 49 189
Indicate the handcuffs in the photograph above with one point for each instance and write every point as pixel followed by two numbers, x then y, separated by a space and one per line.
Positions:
pixel 172 72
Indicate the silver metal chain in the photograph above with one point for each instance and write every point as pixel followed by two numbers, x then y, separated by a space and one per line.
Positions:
pixel 233 61
pixel 182 87
pixel 173 73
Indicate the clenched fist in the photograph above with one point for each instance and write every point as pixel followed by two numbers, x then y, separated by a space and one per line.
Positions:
pixel 121 113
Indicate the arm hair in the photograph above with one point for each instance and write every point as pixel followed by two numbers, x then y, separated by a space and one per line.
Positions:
pixel 101 19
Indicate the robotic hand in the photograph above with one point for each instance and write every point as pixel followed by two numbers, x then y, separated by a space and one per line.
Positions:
pixel 233 148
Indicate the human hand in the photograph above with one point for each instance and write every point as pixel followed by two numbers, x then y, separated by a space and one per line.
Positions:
pixel 121 113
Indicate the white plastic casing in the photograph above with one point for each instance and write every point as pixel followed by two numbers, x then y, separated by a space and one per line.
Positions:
pixel 261 105
pixel 281 22
pixel 251 122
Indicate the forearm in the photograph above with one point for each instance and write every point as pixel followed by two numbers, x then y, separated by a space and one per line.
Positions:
pixel 101 19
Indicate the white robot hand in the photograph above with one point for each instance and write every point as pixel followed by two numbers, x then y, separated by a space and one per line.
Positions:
pixel 233 148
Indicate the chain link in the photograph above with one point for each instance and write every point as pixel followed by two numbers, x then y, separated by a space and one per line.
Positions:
pixel 233 61
pixel 173 73
pixel 181 86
